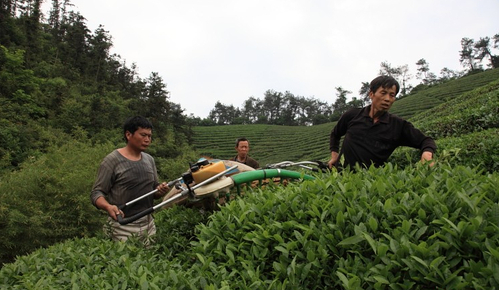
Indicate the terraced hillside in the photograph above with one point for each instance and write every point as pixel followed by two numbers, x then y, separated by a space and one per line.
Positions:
pixel 268 143
pixel 272 143
pixel 438 94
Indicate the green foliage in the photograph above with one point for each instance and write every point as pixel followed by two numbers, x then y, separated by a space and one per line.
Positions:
pixel 48 200
pixel 418 228
pixel 382 228
pixel 471 112
pixel 477 149
pixel 63 100
pixel 461 114
pixel 97 263
pixel 93 264
pixel 172 168
pixel 60 77
pixel 432 96
pixel 176 229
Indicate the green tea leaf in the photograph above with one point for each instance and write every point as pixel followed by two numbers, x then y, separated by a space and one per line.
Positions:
pixel 381 279
pixel 352 240
pixel 371 242
pixel 373 223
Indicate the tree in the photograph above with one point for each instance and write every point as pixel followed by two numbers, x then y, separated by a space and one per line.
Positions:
pixel 405 76
pixel 387 69
pixel 74 44
pixel 400 73
pixel 224 115
pixel 448 74
pixel 424 73
pixel 466 53
pixel 181 126
pixel 272 105
pixel 355 103
pixel 154 103
pixel 364 92
pixel 249 111
pixel 340 105
pixel 423 68
pixel 31 17
pixel 290 110
pixel 496 40
pixel 482 50
pixel 57 78
pixel 99 46
pixel 322 114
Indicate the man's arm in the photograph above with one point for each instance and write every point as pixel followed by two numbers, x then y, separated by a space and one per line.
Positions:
pixel 338 131
pixel 417 139
pixel 112 210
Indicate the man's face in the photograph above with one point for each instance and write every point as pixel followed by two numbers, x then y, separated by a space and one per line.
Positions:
pixel 242 148
pixel 140 139
pixel 383 98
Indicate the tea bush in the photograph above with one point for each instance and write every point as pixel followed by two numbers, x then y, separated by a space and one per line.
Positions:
pixel 382 228
pixel 452 109
pixel 474 111
pixel 431 96
pixel 269 143
pixel 416 228
pixel 477 149
pixel 98 263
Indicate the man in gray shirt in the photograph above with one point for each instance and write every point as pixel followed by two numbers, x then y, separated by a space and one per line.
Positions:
pixel 125 174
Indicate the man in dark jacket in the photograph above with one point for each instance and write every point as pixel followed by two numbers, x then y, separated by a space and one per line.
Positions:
pixel 372 134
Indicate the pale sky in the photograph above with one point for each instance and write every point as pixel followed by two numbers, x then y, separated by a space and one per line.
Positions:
pixel 230 50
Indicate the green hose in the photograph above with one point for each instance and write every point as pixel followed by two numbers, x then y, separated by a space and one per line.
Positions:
pixel 260 174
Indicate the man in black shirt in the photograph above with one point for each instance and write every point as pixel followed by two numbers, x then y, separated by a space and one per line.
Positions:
pixel 372 134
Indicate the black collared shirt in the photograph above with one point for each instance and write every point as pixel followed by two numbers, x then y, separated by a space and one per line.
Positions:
pixel 369 143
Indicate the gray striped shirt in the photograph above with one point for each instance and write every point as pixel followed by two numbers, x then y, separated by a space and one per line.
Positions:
pixel 121 180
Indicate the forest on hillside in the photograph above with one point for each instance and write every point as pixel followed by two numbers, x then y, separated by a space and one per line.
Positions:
pixel 58 81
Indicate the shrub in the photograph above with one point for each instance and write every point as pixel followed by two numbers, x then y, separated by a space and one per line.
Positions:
pixel 478 149
pixel 97 263
pixel 418 228
pixel 381 228
pixel 47 201
pixel 474 111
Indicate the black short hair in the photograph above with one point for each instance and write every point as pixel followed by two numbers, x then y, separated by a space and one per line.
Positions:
pixel 241 139
pixel 134 123
pixel 385 82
